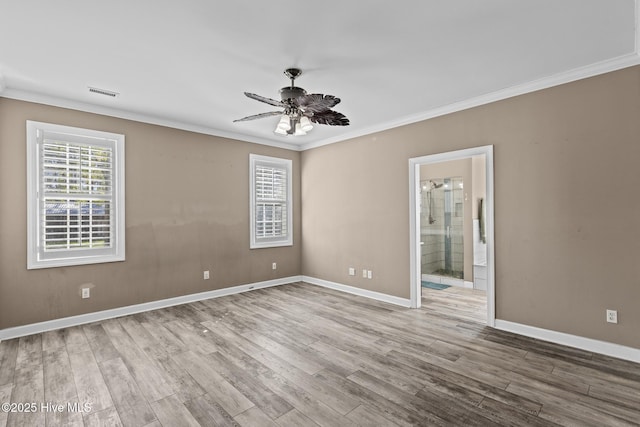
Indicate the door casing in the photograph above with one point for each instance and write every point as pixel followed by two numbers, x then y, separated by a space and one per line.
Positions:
pixel 414 214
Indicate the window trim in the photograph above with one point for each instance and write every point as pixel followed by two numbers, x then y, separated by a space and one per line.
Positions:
pixel 70 258
pixel 287 164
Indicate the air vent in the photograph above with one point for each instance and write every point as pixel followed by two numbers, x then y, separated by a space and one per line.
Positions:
pixel 103 92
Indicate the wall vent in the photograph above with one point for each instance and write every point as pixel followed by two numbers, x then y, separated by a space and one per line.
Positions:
pixel 103 92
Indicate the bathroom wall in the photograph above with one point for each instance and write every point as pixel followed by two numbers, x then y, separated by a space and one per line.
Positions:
pixel 479 170
pixel 479 190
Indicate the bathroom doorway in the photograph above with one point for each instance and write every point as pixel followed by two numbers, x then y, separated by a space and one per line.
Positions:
pixel 451 208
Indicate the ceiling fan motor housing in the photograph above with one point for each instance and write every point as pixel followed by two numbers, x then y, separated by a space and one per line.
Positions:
pixel 291 92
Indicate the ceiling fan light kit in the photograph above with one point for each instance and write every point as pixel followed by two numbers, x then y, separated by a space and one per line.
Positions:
pixel 305 124
pixel 300 109
pixel 284 123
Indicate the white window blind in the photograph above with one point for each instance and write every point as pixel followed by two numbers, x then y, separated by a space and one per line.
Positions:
pixel 78 205
pixel 271 202
pixel 76 195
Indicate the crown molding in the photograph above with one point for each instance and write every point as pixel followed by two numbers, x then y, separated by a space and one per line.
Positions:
pixel 607 66
pixel 637 28
pixel 38 98
pixel 580 73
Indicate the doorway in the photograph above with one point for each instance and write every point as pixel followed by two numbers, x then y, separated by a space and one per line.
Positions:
pixel 436 209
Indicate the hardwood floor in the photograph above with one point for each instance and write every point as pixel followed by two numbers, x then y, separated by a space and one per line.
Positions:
pixel 302 355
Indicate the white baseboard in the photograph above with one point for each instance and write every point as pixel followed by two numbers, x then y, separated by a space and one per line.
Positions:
pixel 65 322
pixel 404 302
pixel 588 344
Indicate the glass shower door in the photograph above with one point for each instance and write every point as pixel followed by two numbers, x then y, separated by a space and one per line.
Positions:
pixel 441 224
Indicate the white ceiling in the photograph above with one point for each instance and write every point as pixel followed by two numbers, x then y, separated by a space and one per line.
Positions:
pixel 187 63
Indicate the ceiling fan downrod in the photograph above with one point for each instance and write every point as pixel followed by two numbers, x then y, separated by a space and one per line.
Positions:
pixel 292 73
pixel 290 93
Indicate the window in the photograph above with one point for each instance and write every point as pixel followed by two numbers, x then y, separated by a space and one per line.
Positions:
pixel 75 196
pixel 271 206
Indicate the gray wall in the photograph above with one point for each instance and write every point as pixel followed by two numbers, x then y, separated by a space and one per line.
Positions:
pixel 187 210
pixel 566 202
pixel 567 235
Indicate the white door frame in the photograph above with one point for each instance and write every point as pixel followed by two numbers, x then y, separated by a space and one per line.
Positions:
pixel 414 222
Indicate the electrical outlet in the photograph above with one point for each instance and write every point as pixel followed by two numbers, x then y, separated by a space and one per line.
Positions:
pixel 274 266
pixel 206 275
pixel 612 316
pixel 364 274
pixel 352 271
pixel 369 274
pixel 86 293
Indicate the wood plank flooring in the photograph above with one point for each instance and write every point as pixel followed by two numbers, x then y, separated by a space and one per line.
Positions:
pixel 302 355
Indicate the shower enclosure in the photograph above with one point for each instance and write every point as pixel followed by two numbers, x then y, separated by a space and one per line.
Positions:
pixel 441 227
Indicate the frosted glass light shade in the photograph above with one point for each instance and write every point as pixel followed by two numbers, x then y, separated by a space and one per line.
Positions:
pixel 284 123
pixel 299 130
pixel 305 124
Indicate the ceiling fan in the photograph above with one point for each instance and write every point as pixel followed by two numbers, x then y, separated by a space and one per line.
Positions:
pixel 300 109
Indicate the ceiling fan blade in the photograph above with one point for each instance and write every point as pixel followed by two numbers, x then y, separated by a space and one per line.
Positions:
pixel 329 117
pixel 260 116
pixel 316 102
pixel 266 100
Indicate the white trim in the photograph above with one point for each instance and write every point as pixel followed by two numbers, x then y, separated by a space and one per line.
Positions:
pixel 415 249
pixel 588 344
pixel 82 319
pixel 580 73
pixel 414 215
pixel 591 70
pixel 35 255
pixel 637 28
pixel 277 163
pixel 54 101
pixel 403 302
